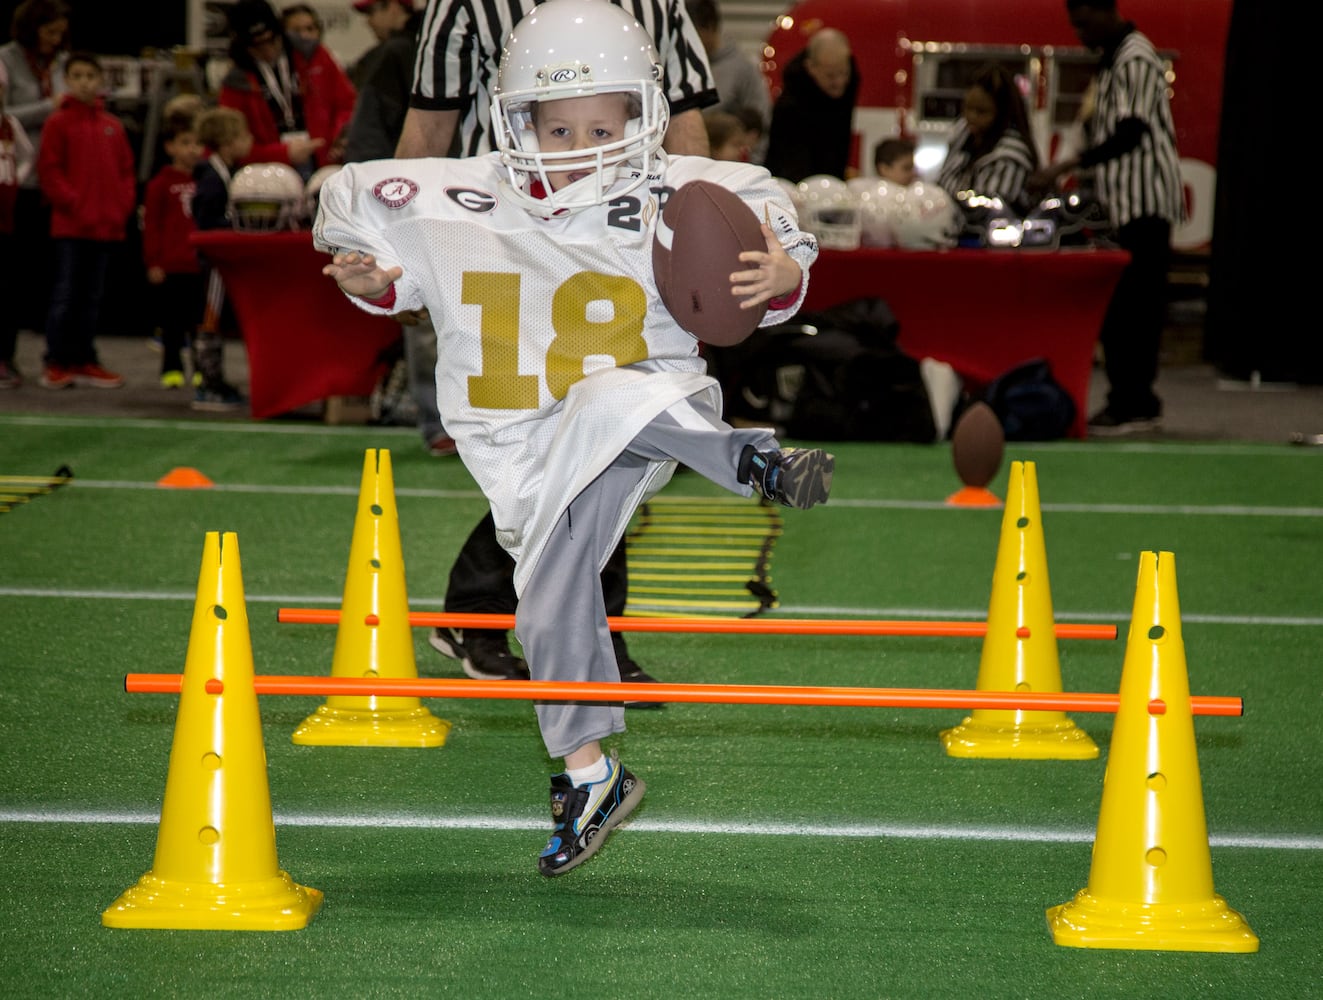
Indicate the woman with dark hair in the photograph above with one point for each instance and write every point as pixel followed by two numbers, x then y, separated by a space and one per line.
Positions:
pixel 296 98
pixel 33 63
pixel 992 150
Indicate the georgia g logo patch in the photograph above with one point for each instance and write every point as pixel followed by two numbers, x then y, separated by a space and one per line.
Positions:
pixel 395 192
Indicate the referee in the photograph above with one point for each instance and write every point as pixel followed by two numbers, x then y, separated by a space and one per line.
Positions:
pixel 1131 148
pixel 459 54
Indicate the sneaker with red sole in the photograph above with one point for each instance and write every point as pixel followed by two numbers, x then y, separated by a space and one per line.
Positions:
pixel 56 377
pixel 93 374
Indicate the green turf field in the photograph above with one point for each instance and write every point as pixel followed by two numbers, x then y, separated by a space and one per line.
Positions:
pixel 780 852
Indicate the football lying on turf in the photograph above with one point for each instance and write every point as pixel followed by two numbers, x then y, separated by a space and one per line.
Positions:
pixel 977 442
pixel 701 233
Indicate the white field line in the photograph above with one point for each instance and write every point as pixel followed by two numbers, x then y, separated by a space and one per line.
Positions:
pixel 1209 510
pixel 784 610
pixel 1250 449
pixel 897 831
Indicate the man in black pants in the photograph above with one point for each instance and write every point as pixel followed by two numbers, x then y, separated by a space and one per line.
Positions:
pixel 482 582
pixel 1132 153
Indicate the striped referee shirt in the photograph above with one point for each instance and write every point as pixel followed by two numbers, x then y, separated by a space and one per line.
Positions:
pixel 1144 181
pixel 459 54
pixel 998 173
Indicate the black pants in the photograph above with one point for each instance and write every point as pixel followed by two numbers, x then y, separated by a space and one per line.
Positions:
pixel 178 312
pixel 482 578
pixel 1132 329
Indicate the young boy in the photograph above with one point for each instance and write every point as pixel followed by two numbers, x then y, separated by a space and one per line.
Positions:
pixel 570 390
pixel 172 263
pixel 85 169
pixel 16 159
pixel 225 132
pixel 893 159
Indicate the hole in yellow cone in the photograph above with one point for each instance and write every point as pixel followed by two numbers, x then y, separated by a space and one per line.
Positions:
pixel 375 563
pixel 370 673
pixel 208 835
pixel 211 761
pixel 1022 576
pixel 1157 781
pixel 1022 522
pixel 1024 686
pixel 1156 857
pixel 219 612
pixel 1156 632
pixel 376 509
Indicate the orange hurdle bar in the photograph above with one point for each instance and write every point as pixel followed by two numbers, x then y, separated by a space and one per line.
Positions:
pixel 725 626
pixel 735 694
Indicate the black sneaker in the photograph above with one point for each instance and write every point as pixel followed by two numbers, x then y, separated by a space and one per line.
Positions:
pixel 484 654
pixel 792 477
pixel 1109 423
pixel 584 816
pixel 632 673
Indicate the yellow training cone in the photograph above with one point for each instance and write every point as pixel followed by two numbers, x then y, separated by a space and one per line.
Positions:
pixel 1020 645
pixel 1151 880
pixel 374 638
pixel 215 866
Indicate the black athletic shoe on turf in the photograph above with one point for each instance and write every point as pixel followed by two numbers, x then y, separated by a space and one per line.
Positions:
pixel 631 672
pixel 484 654
pixel 583 816
pixel 792 477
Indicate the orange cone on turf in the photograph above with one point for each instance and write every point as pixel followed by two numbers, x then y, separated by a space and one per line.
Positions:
pixel 215 865
pixel 374 638
pixel 184 477
pixel 1151 880
pixel 1020 645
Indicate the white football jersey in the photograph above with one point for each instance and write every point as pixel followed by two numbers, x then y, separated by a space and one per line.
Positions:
pixel 553 347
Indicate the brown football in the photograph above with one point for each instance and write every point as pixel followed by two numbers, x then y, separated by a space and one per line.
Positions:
pixel 977 443
pixel 701 233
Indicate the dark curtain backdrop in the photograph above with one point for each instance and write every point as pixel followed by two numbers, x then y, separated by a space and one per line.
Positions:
pixel 1263 303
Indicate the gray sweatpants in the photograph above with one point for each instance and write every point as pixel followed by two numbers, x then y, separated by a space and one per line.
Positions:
pixel 561 619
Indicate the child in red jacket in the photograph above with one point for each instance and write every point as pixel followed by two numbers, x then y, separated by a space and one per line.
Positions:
pixel 172 264
pixel 85 168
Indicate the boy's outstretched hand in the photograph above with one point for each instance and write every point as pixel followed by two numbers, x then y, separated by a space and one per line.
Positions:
pixel 360 274
pixel 776 275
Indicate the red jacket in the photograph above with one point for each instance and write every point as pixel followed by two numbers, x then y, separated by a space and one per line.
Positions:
pixel 328 104
pixel 85 169
pixel 167 222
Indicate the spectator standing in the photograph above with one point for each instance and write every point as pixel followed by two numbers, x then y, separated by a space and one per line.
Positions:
pixel 16 161
pixel 295 105
pixel 173 271
pixel 741 87
pixel 458 61
pixel 813 119
pixel 893 161
pixel 385 19
pixel 408 390
pixel 225 132
pixel 1130 147
pixel 992 150
pixel 33 61
pixel 319 72
pixel 86 171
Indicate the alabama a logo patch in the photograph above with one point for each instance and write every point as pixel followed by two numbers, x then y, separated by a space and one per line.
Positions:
pixel 395 192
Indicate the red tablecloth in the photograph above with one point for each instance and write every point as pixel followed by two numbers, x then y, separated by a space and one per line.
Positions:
pixel 305 340
pixel 984 311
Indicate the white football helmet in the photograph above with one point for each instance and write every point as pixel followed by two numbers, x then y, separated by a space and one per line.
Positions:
pixel 313 189
pixel 879 201
pixel 831 212
pixel 576 48
pixel 265 198
pixel 926 220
